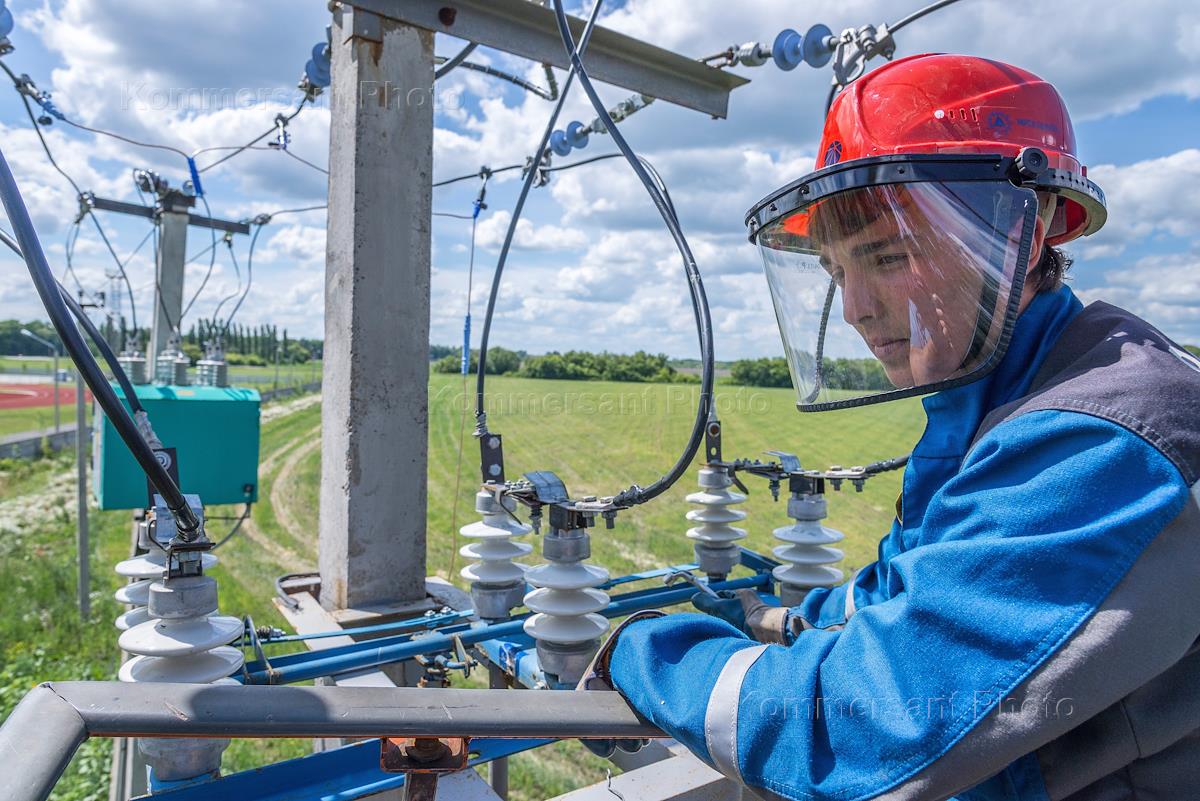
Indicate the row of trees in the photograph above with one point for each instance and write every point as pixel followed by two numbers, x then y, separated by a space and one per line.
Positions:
pixel 866 374
pixel 574 365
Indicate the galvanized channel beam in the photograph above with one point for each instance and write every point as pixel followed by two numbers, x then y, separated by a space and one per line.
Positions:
pixel 528 29
pixel 52 721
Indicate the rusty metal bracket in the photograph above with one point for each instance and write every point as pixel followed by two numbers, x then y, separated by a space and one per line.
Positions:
pixel 424 759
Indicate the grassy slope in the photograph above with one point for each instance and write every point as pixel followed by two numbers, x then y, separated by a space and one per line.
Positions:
pixel 599 437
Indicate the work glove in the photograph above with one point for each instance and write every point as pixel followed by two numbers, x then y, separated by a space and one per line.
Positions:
pixel 598 677
pixel 746 611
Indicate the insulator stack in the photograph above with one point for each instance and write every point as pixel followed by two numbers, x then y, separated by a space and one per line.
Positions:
pixel 809 559
pixel 212 373
pixel 134 365
pixel 497 582
pixel 716 548
pixel 143 570
pixel 566 627
pixel 184 641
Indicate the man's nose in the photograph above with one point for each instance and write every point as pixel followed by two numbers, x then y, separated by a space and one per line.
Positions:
pixel 859 301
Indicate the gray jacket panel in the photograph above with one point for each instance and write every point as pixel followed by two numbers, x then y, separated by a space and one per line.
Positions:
pixel 1115 713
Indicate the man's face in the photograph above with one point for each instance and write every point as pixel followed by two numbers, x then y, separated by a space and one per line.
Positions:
pixel 906 286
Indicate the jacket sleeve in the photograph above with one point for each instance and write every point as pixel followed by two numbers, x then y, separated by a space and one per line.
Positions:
pixel 1050 511
pixel 826 607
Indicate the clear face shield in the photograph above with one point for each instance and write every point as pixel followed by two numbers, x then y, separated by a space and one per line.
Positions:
pixel 888 288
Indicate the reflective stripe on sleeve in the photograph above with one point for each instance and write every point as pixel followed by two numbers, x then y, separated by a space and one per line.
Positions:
pixel 721 716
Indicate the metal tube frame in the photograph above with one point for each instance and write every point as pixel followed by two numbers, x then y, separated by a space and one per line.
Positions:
pixel 54 719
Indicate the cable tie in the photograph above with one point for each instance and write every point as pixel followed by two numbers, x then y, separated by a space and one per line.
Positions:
pixel 195 177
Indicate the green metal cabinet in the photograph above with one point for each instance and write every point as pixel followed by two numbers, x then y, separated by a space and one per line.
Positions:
pixel 214 431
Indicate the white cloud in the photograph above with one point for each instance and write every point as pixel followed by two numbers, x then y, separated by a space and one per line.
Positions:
pixel 593 251
pixel 1147 198
pixel 491 231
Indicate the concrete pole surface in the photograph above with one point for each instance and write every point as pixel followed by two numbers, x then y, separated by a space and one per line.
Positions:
pixel 168 305
pixel 81 529
pixel 374 411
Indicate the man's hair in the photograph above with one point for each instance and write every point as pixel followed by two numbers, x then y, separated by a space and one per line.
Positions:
pixel 1051 270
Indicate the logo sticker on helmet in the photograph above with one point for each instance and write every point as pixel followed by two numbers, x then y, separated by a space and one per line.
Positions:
pixel 833 153
pixel 999 122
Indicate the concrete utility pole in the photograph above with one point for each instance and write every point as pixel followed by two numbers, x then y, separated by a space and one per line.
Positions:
pixel 173 216
pixel 168 273
pixel 374 411
pixel 374 414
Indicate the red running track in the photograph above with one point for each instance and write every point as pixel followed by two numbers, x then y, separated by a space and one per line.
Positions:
pixel 25 396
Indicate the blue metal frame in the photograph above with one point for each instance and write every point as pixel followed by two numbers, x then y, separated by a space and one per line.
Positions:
pixel 373 653
pixel 353 771
pixel 340 774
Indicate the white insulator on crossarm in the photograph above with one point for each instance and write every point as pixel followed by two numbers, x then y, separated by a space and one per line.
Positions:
pixel 497 582
pixel 143 570
pixel 808 559
pixel 716 548
pixel 566 625
pixel 184 641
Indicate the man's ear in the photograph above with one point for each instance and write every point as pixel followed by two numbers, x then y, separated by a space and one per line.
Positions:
pixel 1039 241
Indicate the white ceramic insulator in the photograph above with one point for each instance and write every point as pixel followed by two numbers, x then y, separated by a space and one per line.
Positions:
pixel 145 569
pixel 185 647
pixel 715 514
pixel 809 559
pixel 494 547
pixel 566 602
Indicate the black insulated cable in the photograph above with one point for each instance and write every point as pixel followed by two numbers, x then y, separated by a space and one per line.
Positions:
pixel 636 494
pixel 48 290
pixel 530 176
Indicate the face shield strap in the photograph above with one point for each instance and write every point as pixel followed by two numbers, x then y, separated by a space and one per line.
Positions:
pixel 819 383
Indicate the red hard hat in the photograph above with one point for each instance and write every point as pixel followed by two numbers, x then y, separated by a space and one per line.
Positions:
pixel 938 103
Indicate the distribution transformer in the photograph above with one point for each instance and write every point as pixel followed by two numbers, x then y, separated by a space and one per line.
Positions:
pixel 213 431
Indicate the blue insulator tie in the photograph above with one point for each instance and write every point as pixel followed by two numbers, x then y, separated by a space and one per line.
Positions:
pixel 195 177
pixel 466 348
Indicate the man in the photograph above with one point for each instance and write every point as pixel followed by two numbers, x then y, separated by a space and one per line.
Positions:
pixel 1029 628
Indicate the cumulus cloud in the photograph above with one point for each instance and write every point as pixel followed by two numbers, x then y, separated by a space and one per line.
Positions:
pixel 1147 198
pixel 491 231
pixel 593 251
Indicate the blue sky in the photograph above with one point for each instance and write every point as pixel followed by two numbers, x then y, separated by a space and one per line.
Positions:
pixel 593 267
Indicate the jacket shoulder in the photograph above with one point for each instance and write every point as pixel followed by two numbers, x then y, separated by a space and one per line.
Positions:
pixel 1112 364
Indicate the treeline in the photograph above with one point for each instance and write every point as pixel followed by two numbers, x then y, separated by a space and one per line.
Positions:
pixel 500 361
pixel 253 345
pixel 573 365
pixel 865 374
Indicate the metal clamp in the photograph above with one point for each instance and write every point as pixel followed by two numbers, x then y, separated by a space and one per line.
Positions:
pixel 676 576
pixel 423 759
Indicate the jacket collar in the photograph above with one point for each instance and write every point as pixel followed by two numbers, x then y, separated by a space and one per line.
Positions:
pixel 955 414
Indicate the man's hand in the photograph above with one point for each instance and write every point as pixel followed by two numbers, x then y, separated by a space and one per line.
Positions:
pixel 744 610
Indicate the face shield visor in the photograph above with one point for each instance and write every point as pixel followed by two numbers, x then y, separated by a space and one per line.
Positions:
pixel 895 276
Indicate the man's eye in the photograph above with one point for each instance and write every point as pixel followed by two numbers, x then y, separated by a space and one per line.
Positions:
pixel 891 259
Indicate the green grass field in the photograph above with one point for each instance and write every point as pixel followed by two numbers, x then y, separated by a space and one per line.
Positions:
pixel 598 437
pixel 16 421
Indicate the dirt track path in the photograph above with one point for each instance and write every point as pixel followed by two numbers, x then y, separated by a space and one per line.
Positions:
pixel 284 478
